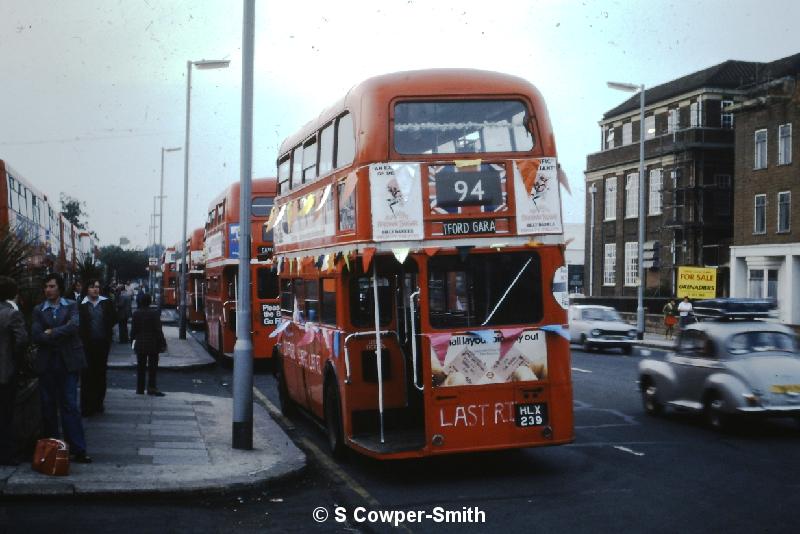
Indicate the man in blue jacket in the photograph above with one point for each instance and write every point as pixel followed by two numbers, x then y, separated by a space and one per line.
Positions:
pixel 55 329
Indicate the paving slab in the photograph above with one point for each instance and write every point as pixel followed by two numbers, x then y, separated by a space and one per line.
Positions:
pixel 154 460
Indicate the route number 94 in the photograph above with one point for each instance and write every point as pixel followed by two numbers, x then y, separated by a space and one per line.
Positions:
pixel 480 188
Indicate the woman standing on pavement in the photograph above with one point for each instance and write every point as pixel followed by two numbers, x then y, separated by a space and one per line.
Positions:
pixel 670 312
pixel 148 341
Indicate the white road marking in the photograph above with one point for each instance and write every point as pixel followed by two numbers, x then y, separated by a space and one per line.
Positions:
pixel 626 449
pixel 578 369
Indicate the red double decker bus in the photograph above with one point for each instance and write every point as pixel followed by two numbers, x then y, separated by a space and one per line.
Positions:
pixel 419 244
pixel 169 278
pixel 221 248
pixel 195 284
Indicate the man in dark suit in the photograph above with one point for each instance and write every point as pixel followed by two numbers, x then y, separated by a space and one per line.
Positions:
pixel 13 341
pixel 123 305
pixel 55 330
pixel 97 320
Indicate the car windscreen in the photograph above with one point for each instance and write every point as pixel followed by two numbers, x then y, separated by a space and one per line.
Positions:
pixel 600 314
pixel 761 341
pixel 462 126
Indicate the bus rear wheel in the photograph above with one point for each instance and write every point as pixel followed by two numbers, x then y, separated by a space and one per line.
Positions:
pixel 333 419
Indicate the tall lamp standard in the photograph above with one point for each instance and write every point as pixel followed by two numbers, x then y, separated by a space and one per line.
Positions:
pixel 161 221
pixel 593 191
pixel 201 64
pixel 633 88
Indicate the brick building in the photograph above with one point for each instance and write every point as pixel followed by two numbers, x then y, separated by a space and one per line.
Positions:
pixel 765 258
pixel 689 167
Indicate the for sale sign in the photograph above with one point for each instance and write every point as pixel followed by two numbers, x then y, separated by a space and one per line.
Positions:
pixel 697 282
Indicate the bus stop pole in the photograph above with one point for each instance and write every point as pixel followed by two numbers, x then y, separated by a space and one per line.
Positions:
pixel 243 349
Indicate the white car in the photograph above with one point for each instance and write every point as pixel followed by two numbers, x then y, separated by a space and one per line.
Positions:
pixel 601 327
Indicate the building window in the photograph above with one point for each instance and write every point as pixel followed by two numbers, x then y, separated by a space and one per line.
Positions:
pixel 755 284
pixel 654 204
pixel 650 127
pixel 609 137
pixel 627 133
pixel 609 264
pixel 772 283
pixel 760 215
pixel 784 144
pixel 761 149
pixel 695 114
pixel 673 120
pixel 632 195
pixel 784 209
pixel 723 181
pixel 611 199
pixel 631 263
pixel 726 118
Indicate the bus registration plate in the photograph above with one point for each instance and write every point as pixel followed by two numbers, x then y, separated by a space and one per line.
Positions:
pixel 530 414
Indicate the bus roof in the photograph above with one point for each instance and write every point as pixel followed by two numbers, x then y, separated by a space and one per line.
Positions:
pixel 371 98
pixel 266 186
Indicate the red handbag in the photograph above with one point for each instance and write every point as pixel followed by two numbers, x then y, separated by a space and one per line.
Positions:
pixel 51 457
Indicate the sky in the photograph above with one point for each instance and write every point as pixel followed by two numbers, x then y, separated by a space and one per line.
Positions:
pixel 92 90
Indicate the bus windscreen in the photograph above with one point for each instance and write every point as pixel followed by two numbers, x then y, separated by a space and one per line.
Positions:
pixel 456 127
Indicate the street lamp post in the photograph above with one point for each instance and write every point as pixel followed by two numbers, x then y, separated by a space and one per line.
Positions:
pixel 161 222
pixel 202 64
pixel 593 191
pixel 633 88
pixel 242 437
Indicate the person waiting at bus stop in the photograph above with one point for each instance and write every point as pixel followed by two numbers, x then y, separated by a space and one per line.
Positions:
pixel 97 320
pixel 123 305
pixel 13 341
pixel 55 327
pixel 148 340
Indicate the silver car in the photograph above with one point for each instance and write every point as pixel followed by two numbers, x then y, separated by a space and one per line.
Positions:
pixel 601 327
pixel 726 369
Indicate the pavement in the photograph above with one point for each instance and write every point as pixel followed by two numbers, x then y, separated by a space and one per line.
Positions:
pixel 177 444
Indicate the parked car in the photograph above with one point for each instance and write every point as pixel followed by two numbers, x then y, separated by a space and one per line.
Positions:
pixel 725 368
pixel 601 327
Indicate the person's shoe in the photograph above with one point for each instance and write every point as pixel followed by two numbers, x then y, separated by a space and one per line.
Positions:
pixel 155 393
pixel 83 458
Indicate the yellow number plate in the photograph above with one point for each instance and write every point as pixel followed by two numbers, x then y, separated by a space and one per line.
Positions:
pixel 791 388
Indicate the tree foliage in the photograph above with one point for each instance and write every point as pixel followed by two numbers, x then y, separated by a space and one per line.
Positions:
pixel 73 210
pixel 124 264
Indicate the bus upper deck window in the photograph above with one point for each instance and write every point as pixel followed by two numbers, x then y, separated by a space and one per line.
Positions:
pixel 261 206
pixel 310 161
pixel 458 127
pixel 326 150
pixel 345 141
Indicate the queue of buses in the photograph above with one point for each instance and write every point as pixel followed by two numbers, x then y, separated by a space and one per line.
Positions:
pixel 408 272
pixel 57 245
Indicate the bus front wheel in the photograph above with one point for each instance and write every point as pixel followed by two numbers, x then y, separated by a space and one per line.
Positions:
pixel 333 418
pixel 287 406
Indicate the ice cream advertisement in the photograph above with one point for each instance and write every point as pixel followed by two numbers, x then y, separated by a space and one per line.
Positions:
pixel 537 196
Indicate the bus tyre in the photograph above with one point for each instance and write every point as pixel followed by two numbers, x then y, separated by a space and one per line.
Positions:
pixel 333 419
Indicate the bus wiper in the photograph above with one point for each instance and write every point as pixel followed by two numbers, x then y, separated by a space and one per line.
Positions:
pixel 510 286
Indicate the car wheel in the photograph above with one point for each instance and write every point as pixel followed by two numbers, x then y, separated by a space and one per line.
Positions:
pixel 627 350
pixel 715 413
pixel 650 402
pixel 333 419
pixel 587 347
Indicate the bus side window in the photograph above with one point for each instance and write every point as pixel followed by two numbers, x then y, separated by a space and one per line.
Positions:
pixel 328 301
pixel 311 303
pixel 267 283
pixel 297 168
pixel 310 160
pixel 284 172
pixel 299 297
pixel 326 150
pixel 345 140
pixel 287 300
